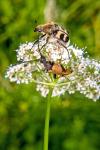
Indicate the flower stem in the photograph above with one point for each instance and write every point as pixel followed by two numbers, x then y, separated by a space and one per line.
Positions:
pixel 46 129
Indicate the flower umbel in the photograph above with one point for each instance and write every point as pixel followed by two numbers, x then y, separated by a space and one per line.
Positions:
pixel 78 73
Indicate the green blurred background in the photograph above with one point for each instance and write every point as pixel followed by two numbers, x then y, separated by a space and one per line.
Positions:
pixel 75 120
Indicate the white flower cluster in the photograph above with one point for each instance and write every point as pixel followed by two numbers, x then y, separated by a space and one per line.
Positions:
pixel 84 77
pixel 27 53
pixel 20 73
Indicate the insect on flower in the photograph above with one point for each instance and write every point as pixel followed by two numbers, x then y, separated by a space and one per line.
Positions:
pixel 58 69
pixel 55 68
pixel 52 29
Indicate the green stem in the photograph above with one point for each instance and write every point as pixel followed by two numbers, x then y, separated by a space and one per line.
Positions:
pixel 51 84
pixel 46 129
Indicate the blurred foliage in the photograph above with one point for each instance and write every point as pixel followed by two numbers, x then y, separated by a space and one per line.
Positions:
pixel 75 120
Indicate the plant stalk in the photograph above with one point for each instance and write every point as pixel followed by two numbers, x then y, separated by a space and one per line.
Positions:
pixel 46 128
